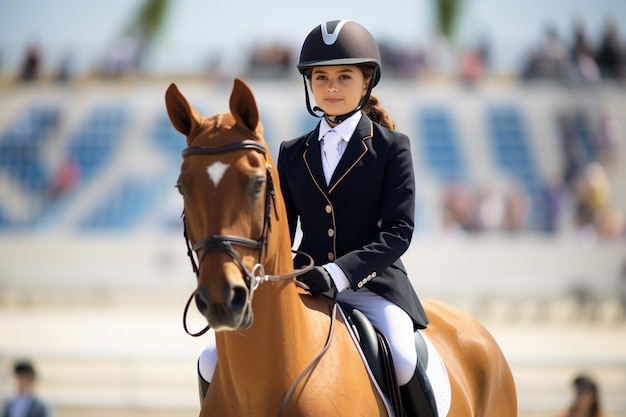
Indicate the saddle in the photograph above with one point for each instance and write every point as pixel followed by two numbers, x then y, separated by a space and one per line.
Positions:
pixel 377 352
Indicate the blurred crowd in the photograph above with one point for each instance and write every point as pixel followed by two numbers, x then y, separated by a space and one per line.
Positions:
pixel 579 60
pixel 579 57
pixel 580 199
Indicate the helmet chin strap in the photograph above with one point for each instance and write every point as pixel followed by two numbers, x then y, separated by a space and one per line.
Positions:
pixel 336 119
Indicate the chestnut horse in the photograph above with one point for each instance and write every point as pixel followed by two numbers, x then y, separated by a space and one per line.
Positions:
pixel 239 243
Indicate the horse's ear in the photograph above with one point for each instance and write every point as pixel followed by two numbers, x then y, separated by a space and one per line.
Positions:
pixel 243 105
pixel 182 115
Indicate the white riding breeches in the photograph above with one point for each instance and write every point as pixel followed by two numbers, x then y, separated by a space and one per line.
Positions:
pixel 393 322
pixel 208 358
pixel 390 319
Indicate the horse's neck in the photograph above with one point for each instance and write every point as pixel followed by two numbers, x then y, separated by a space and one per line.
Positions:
pixel 274 348
pixel 279 314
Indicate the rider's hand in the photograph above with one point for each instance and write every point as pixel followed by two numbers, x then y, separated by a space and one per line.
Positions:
pixel 318 280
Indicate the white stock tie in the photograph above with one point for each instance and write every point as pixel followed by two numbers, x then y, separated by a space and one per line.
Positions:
pixel 331 148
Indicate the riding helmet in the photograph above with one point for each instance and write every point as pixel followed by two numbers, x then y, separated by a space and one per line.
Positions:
pixel 340 42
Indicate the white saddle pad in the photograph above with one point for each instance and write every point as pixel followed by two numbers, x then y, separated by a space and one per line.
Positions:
pixel 438 377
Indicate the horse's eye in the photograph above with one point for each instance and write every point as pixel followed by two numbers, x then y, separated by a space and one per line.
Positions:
pixel 257 186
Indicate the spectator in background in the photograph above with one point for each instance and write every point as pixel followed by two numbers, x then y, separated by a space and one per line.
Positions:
pixel 592 196
pixel 488 210
pixel 470 66
pixel 67 177
pixel 31 65
pixel 457 209
pixel 550 61
pixel 586 401
pixel 575 152
pixel 550 205
pixel 67 67
pixel 584 66
pixel 270 61
pixel 610 223
pixel 122 57
pixel 25 403
pixel 610 54
pixel 515 209
pixel 609 140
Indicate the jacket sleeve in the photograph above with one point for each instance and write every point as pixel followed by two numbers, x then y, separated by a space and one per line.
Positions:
pixel 292 215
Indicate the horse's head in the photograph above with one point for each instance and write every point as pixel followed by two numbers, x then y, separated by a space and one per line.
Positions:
pixel 225 181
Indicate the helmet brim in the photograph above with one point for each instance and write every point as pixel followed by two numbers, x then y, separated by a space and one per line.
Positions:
pixel 303 66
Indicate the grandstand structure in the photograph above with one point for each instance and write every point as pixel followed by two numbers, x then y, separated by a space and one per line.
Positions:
pixel 91 237
pixel 125 153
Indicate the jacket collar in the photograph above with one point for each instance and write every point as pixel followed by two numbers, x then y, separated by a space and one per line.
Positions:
pixel 345 129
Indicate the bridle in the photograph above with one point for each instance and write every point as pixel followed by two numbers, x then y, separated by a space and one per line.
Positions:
pixel 224 243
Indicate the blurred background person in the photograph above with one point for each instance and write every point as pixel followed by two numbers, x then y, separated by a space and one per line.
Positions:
pixel 25 402
pixel 586 402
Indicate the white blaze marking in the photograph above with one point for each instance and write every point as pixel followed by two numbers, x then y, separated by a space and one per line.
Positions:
pixel 216 171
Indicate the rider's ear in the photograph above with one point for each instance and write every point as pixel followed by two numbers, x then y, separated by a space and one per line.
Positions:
pixel 184 117
pixel 243 105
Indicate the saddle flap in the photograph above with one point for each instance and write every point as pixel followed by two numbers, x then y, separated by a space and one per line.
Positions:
pixel 377 353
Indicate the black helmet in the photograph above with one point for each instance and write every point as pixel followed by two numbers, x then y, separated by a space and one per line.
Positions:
pixel 340 42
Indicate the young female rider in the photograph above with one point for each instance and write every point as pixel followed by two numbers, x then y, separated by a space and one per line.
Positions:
pixel 356 208
pixel 350 183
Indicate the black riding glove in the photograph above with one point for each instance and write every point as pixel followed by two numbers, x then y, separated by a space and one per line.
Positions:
pixel 318 280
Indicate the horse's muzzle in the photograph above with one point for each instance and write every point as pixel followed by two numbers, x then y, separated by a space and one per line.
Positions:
pixel 231 312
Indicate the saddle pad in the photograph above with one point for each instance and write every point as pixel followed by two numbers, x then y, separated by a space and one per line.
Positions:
pixel 438 377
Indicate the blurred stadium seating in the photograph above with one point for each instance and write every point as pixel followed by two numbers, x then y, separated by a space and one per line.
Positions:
pixel 125 148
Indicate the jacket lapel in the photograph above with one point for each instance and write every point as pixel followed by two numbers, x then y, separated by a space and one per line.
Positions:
pixel 313 160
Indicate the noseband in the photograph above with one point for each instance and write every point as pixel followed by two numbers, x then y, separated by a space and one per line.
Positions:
pixel 224 243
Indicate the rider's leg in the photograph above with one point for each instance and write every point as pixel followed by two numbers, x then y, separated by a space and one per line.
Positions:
pixel 418 398
pixel 394 323
pixel 206 366
pixel 397 327
pixel 203 385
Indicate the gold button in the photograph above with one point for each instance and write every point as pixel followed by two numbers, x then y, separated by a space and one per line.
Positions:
pixel 328 208
pixel 331 232
pixel 331 256
pixel 373 274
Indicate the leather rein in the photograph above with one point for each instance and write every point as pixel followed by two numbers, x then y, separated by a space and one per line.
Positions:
pixel 225 243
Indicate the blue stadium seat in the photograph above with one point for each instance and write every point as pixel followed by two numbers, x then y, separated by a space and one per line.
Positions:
pixel 168 139
pixel 124 206
pixel 94 142
pixel 440 144
pixel 20 147
pixel 511 148
pixel 510 144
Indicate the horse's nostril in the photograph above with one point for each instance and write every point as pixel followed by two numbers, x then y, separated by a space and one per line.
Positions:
pixel 201 303
pixel 239 296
